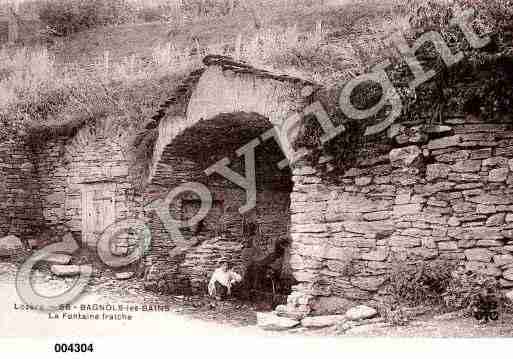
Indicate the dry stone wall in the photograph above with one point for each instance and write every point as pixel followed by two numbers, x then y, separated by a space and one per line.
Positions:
pixel 18 190
pixel 448 199
pixel 65 165
pixel 221 237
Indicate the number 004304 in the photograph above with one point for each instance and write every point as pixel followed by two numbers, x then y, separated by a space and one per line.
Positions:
pixel 73 348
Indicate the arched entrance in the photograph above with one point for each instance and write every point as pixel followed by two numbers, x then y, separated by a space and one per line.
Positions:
pixel 226 234
pixel 214 113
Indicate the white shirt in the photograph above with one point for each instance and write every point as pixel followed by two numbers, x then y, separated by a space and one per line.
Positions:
pixel 225 278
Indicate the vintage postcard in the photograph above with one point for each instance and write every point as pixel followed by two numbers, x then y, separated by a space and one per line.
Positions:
pixel 286 168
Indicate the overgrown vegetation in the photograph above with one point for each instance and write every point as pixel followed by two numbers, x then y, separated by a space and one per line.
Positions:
pixel 466 289
pixel 37 87
pixel 420 283
pixel 70 16
pixel 35 92
pixel 440 284
pixel 320 41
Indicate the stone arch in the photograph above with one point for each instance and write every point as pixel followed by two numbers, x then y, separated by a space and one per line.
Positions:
pixel 225 90
pixel 226 87
pixel 186 158
pixel 214 113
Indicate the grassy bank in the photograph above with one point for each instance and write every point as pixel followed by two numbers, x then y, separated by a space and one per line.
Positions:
pixel 123 72
pixel 119 73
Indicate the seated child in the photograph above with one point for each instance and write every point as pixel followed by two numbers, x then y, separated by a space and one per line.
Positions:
pixel 222 281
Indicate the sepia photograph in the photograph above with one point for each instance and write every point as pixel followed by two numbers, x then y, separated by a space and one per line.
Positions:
pixel 272 168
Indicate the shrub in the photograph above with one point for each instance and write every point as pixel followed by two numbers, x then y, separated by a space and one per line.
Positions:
pixel 462 287
pixel 465 289
pixel 491 15
pixel 70 16
pixel 439 283
pixel 420 283
pixel 307 55
pixel 393 313
pixel 497 14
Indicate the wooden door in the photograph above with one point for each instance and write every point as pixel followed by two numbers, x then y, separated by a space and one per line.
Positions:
pixel 98 210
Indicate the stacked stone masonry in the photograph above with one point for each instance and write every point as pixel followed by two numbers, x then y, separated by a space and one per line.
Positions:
pixel 224 224
pixel 449 199
pixel 18 190
pixel 67 166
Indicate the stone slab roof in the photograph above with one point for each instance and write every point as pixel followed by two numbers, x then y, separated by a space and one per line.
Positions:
pixel 183 92
pixel 228 63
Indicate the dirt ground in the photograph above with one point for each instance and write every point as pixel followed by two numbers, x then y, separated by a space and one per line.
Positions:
pixel 195 314
pixel 109 290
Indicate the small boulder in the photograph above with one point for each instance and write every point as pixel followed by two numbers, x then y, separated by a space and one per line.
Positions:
pixel 322 321
pixel 498 174
pixel 124 275
pixel 330 305
pixel 270 321
pixel 405 156
pixel 503 259
pixel 508 275
pixel 65 270
pixel 289 311
pixel 360 312
pixel 27 167
pixel 496 220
